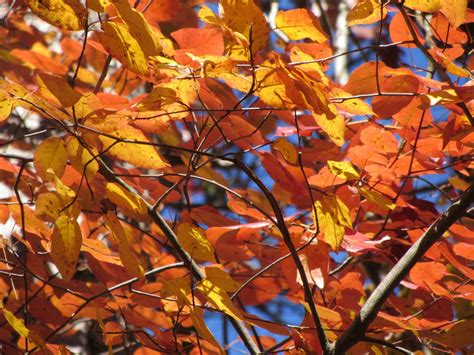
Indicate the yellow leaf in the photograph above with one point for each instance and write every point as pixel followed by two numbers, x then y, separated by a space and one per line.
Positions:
pixel 197 316
pixel 241 15
pixel 221 278
pixel 68 15
pixel 125 199
pixel 58 88
pixel 287 149
pixel 66 193
pixel 86 105
pixel 19 326
pixel 343 169
pixel 366 12
pixel 194 241
pixel 118 41
pixel 138 154
pixel 377 198
pixel 333 217
pixel 128 257
pixel 424 5
pixel 138 28
pixel 81 159
pixel 334 127
pixel 219 299
pixel 300 24
pixel 455 11
pixel 179 288
pixel 98 5
pixel 205 14
pixel 174 97
pixel 441 97
pixel 50 154
pixel 66 244
pixel 6 106
pixel 50 205
pixel 354 106
pixel 449 65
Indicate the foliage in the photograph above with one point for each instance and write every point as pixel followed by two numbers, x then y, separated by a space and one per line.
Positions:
pixel 166 165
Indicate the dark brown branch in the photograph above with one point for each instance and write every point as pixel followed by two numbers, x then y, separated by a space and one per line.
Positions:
pixel 372 306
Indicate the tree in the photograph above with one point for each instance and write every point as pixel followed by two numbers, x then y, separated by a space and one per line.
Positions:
pixel 182 177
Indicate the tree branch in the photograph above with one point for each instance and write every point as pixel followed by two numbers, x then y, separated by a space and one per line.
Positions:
pixel 372 306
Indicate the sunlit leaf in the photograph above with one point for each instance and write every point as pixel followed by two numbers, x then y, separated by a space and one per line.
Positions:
pixel 197 315
pixel 140 154
pixel 120 43
pixel 138 28
pixel 66 244
pixel 68 15
pixel 219 298
pixel 343 169
pixel 59 89
pixel 128 257
pixel 81 158
pixel 193 240
pixel 287 149
pixel 244 17
pixel 332 216
pixel 366 12
pixel 300 24
pixel 377 198
pixel 51 154
pixel 19 326
pixel 125 199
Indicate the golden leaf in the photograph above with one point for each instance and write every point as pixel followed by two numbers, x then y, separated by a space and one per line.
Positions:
pixel 66 244
pixel 50 154
pixel 299 24
pixel 333 217
pixel 127 256
pixel 194 241
pixel 125 199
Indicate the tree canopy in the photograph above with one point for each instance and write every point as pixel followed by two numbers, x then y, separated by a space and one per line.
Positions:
pixel 236 176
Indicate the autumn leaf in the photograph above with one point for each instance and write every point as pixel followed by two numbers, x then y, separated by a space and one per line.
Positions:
pixel 366 12
pixel 81 158
pixel 128 257
pixel 57 87
pixel 68 15
pixel 6 106
pixel 125 199
pixel 140 154
pixel 19 326
pixel 51 154
pixel 219 298
pixel 194 241
pixel 197 316
pixel 98 5
pixel 343 169
pixel 247 23
pixel 66 244
pixel 377 198
pixel 121 44
pixel 287 149
pixel 138 28
pixel 300 24
pixel 332 216
pixel 454 10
